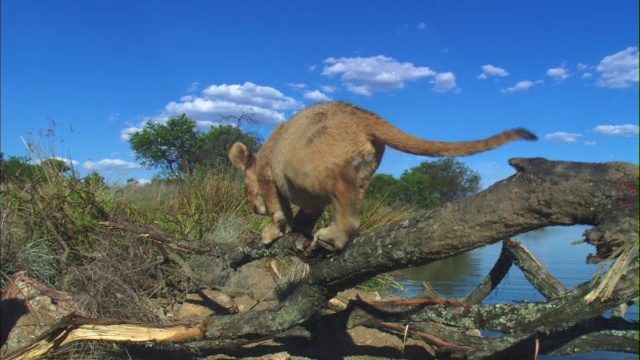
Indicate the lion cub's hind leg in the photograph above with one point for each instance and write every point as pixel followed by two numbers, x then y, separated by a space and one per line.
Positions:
pixel 346 222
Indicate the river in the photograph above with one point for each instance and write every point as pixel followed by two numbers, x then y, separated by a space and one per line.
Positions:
pixel 457 276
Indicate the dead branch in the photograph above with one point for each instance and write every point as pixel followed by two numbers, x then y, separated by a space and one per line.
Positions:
pixel 534 271
pixel 155 234
pixel 579 339
pixel 551 315
pixel 234 255
pixel 495 276
pixel 72 329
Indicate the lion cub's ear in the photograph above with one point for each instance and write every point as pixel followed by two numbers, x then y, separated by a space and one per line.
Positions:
pixel 240 156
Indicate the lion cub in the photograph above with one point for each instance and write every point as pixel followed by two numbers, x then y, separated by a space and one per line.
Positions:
pixel 326 155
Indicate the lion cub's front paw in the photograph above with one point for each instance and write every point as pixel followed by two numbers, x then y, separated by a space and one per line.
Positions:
pixel 330 239
pixel 271 233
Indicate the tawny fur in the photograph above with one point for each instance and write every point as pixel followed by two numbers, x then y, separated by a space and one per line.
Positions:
pixel 326 155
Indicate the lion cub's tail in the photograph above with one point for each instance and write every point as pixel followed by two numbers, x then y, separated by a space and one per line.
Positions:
pixel 388 134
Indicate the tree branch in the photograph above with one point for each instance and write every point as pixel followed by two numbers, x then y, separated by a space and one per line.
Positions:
pixel 495 276
pixel 534 271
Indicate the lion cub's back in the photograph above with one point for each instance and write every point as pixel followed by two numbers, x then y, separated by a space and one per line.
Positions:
pixel 326 130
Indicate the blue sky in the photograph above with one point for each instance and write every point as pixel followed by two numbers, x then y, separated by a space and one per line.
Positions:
pixel 442 70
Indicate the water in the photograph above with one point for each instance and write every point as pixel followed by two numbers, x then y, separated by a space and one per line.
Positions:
pixel 457 276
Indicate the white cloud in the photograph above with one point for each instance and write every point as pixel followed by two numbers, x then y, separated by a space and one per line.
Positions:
pixel 377 73
pixel 143 182
pixel 558 73
pixel 619 70
pixel 202 110
pixel 520 86
pixel 422 26
pixel 113 117
pixel 265 103
pixel 328 89
pixel 70 163
pixel 591 143
pixel 444 82
pixel 582 67
pixel 298 86
pixel 250 94
pixel 490 70
pixel 125 133
pixel 563 136
pixel 194 86
pixel 625 130
pixel 358 90
pixel 111 164
pixel 316 95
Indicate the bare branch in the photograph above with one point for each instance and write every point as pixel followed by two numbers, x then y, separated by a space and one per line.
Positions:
pixel 534 271
pixel 491 281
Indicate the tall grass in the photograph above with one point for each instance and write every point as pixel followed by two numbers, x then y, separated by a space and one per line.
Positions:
pixel 48 216
pixel 18 252
pixel 197 207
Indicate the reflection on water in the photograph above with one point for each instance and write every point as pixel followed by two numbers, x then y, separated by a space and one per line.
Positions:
pixel 451 277
pixel 457 276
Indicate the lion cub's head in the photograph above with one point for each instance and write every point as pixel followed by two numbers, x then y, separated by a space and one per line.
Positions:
pixel 242 158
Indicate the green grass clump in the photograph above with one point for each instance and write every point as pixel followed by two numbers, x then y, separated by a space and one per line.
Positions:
pixel 21 253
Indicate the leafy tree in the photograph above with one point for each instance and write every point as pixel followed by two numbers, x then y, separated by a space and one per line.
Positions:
pixel 382 183
pixel 430 184
pixel 54 165
pixel 18 169
pixel 416 188
pixel 219 139
pixel 168 147
pixel 94 180
pixel 177 148
pixel 450 179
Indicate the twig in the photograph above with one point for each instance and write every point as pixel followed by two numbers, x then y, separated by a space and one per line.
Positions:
pixel 430 339
pixel 428 292
pixel 157 235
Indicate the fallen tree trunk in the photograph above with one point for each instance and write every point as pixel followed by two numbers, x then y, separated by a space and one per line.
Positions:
pixel 542 193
